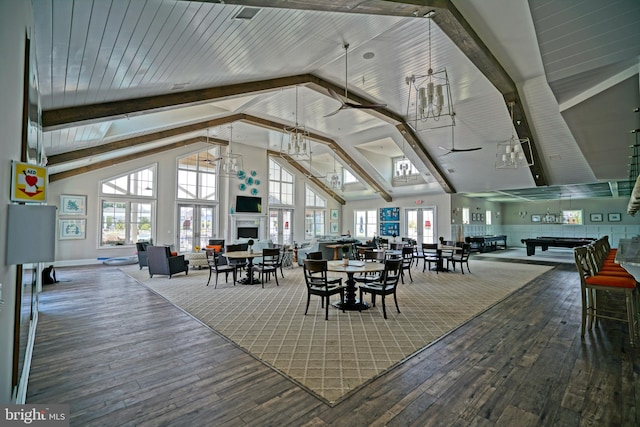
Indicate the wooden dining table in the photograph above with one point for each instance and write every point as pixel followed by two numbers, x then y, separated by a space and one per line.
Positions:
pixel 350 300
pixel 249 256
pixel 440 262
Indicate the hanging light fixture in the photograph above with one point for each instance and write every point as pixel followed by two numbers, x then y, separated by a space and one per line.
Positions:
pixel 230 163
pixel 514 153
pixel 335 179
pixel 295 140
pixel 430 96
pixel 403 169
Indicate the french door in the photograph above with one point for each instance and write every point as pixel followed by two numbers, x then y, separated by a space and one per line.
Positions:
pixel 420 223
pixel 280 225
pixel 195 226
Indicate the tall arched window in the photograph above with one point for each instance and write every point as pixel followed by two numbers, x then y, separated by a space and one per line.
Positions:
pixel 315 214
pixel 280 203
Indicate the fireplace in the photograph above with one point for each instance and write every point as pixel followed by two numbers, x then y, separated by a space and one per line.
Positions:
pixel 248 232
pixel 247 226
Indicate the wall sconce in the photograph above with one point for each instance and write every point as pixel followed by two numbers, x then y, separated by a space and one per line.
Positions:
pixel 455 211
pixel 522 214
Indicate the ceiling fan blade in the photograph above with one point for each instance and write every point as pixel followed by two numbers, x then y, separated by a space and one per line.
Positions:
pixel 335 112
pixel 459 150
pixel 364 106
pixel 335 95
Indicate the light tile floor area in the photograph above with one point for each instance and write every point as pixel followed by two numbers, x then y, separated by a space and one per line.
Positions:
pixel 332 358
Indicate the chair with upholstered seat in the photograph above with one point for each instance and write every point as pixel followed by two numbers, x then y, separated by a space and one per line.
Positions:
pixel 370 256
pixel 141 248
pixel 598 287
pixel 318 283
pixel 407 262
pixel 460 256
pixel 269 265
pixel 314 255
pixel 387 284
pixel 163 262
pixel 238 263
pixel 219 264
pixel 430 255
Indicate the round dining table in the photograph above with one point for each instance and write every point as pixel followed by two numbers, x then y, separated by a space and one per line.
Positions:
pixel 350 300
pixel 249 256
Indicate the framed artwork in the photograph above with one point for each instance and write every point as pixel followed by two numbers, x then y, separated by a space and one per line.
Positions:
pixel 550 218
pixel 536 218
pixel 615 217
pixel 389 214
pixel 473 216
pixel 334 228
pixel 389 228
pixel 595 217
pixel 334 214
pixel 72 229
pixel 73 205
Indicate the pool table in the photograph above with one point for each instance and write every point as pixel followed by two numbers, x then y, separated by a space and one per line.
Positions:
pixel 557 242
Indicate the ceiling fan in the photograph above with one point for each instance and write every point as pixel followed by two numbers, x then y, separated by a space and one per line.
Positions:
pixel 345 102
pixel 453 148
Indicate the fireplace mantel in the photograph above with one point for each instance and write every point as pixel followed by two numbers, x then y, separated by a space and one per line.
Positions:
pixel 248 220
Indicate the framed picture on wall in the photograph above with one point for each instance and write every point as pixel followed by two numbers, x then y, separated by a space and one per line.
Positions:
pixel 615 217
pixel 71 229
pixel 334 228
pixel 73 205
pixel 536 218
pixel 334 214
pixel 595 217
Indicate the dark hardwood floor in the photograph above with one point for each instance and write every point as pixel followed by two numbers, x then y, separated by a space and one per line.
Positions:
pixel 120 355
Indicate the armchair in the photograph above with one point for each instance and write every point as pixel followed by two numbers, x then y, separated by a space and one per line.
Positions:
pixel 161 262
pixel 141 248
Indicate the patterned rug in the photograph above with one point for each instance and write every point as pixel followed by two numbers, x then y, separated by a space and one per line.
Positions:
pixel 333 358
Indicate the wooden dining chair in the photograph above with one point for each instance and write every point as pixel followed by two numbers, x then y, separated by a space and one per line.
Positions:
pixel 219 264
pixel 318 283
pixel 460 256
pixel 406 262
pixel 430 254
pixel 269 265
pixel 387 284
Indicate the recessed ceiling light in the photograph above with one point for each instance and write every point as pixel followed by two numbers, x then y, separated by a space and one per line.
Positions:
pixel 368 55
pixel 179 86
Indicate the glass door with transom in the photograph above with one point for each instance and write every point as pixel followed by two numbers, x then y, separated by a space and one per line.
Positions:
pixel 420 224
pixel 195 226
pixel 280 225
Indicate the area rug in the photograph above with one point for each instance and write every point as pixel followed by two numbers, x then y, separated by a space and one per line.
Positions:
pixel 334 358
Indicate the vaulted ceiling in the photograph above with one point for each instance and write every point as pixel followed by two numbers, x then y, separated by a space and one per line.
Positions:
pixel 124 79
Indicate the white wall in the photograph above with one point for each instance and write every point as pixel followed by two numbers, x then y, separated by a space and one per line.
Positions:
pixel 15 23
pixel 442 203
pixel 74 252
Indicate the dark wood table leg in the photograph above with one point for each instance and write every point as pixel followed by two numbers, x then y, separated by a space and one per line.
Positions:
pixel 350 301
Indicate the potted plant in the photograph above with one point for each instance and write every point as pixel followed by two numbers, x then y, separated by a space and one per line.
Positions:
pixel 345 254
pixel 250 243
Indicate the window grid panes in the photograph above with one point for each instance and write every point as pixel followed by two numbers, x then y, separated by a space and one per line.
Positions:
pixel 314 223
pixel 127 207
pixel 348 177
pixel 314 200
pixel 280 185
pixel 366 223
pixel 197 176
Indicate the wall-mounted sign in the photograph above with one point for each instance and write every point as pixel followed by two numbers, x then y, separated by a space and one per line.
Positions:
pixel 28 182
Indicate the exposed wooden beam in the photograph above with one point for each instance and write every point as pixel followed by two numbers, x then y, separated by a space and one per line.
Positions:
pixel 305 172
pixel 413 140
pixel 142 139
pixel 117 160
pixel 346 158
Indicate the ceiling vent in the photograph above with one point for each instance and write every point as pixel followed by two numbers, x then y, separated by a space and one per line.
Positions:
pixel 247 13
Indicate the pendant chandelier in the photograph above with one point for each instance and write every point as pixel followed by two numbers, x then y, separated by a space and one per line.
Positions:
pixel 230 163
pixel 514 153
pixel 295 140
pixel 430 96
pixel 335 179
pixel 404 171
